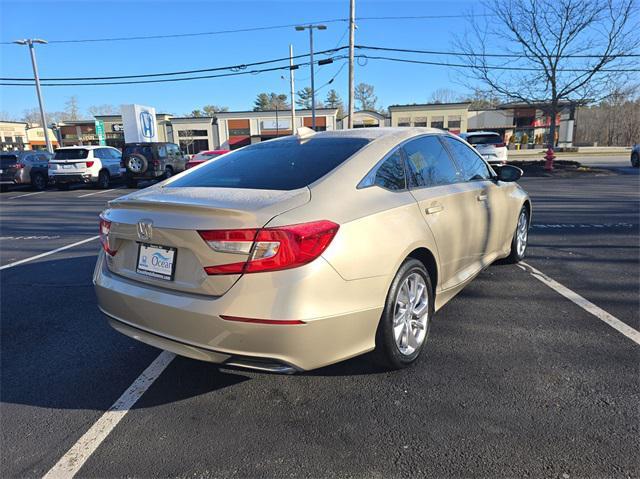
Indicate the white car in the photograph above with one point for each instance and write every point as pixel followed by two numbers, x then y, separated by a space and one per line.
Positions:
pixel 489 144
pixel 96 165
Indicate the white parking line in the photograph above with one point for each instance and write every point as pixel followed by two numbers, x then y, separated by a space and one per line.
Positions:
pixel 28 194
pixel 585 304
pixel 53 251
pixel 74 459
pixel 100 192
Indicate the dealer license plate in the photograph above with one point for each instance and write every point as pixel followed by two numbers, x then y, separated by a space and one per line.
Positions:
pixel 156 261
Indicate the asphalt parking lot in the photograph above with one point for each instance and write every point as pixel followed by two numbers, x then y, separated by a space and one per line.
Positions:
pixel 519 380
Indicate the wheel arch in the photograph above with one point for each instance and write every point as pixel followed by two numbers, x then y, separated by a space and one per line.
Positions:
pixel 428 259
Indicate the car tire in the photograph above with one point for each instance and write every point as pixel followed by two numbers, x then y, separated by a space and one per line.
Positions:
pixel 38 182
pixel 168 172
pixel 405 322
pixel 63 186
pixel 136 164
pixel 520 238
pixel 104 180
pixel 131 183
pixel 635 160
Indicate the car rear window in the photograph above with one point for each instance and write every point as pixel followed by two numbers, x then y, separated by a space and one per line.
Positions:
pixel 145 150
pixel 484 139
pixel 71 154
pixel 274 165
pixel 6 160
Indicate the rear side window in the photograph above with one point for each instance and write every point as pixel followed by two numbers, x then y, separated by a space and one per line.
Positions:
pixel 485 139
pixel 472 166
pixel 429 163
pixel 274 165
pixel 390 174
pixel 72 154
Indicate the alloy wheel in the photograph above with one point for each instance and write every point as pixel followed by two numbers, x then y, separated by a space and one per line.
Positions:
pixel 522 233
pixel 411 314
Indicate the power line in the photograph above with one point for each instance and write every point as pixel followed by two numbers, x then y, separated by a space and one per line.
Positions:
pixel 478 55
pixel 184 35
pixel 239 67
pixel 492 67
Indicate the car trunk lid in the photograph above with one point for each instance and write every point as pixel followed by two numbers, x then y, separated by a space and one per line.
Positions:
pixel 175 216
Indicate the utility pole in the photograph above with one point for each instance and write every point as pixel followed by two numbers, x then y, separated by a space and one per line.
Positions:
pixel 34 64
pixel 313 90
pixel 352 35
pixel 293 91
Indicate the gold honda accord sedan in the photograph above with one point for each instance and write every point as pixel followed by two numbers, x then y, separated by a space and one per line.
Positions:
pixel 299 252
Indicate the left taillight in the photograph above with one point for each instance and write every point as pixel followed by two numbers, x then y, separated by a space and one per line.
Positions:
pixel 270 249
pixel 105 228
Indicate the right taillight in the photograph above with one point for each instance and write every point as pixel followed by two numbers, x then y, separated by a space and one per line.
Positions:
pixel 271 249
pixel 499 145
pixel 105 228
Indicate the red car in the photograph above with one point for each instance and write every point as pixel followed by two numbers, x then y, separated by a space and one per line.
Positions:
pixel 204 156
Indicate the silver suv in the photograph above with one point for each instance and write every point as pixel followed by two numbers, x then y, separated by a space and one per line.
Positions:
pixel 24 168
pixel 96 165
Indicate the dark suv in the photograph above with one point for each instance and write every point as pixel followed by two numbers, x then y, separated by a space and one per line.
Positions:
pixel 151 161
pixel 27 167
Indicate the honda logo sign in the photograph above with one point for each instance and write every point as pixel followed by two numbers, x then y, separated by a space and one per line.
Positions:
pixel 139 124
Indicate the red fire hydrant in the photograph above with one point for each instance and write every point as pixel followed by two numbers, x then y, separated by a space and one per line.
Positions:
pixel 549 156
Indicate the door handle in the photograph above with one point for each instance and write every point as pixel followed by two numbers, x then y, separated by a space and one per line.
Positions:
pixel 482 197
pixel 434 209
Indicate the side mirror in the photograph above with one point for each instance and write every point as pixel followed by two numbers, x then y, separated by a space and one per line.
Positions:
pixel 509 173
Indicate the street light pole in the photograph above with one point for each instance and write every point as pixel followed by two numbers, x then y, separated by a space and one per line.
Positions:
pixel 34 64
pixel 313 90
pixel 293 92
pixel 352 28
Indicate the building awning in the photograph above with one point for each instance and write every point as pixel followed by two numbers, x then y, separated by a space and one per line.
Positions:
pixel 42 143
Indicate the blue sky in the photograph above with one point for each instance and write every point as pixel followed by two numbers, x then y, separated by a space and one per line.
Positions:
pixel 60 20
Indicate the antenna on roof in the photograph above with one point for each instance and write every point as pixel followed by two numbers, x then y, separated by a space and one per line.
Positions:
pixel 304 132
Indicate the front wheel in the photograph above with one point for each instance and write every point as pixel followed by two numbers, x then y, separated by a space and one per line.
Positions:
pixel 404 326
pixel 520 238
pixel 38 182
pixel 635 160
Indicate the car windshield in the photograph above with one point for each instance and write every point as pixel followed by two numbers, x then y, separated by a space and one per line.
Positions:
pixel 72 154
pixel 484 139
pixel 144 150
pixel 274 165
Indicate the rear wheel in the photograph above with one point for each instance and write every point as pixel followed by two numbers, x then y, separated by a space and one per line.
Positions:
pixel 520 238
pixel 104 180
pixel 168 172
pixel 404 326
pixel 38 181
pixel 635 160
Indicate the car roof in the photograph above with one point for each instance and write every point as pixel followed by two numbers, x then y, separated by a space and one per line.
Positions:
pixel 85 147
pixel 482 133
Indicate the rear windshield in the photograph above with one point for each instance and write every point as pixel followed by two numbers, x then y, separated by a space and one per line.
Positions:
pixel 8 159
pixel 72 154
pixel 144 150
pixel 484 139
pixel 274 165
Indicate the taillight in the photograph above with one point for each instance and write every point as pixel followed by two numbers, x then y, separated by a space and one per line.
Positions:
pixel 105 228
pixel 90 164
pixel 156 164
pixel 499 145
pixel 18 166
pixel 270 249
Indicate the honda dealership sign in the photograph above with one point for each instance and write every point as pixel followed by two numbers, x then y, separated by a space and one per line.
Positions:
pixel 139 123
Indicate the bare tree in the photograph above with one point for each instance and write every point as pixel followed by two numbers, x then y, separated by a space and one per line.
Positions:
pixel 444 95
pixel 186 140
pixel 365 94
pixel 71 108
pixel 561 50
pixel 612 122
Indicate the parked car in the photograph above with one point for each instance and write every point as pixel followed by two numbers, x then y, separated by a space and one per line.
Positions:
pixel 304 251
pixel 24 168
pixel 96 165
pixel 204 156
pixel 151 161
pixel 489 144
pixel 635 156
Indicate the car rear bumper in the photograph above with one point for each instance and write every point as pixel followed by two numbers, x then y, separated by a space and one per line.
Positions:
pixel 191 325
pixel 72 178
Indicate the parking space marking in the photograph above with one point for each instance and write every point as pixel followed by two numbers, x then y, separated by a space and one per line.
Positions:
pixel 48 253
pixel 74 459
pixel 27 194
pixel 100 192
pixel 585 304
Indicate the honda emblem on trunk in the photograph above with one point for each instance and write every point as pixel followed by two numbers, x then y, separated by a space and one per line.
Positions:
pixel 145 229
